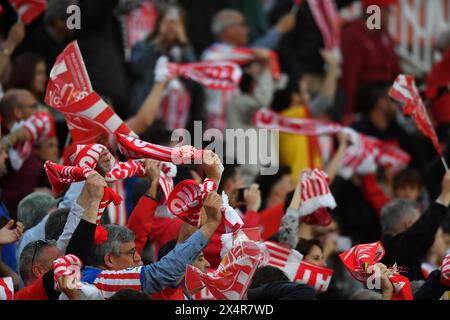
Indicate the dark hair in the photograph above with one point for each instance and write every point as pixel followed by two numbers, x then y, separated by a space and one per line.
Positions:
pixel 267 274
pixel 56 221
pixel 408 177
pixel 304 246
pixel 157 133
pixel 266 182
pixel 446 224
pixel 166 248
pixel 23 71
pixel 129 294
pixel 368 95
pixel 282 98
pixel 7 105
pixel 229 172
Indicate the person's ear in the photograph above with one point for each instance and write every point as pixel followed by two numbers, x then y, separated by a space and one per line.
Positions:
pixel 108 261
pixel 36 270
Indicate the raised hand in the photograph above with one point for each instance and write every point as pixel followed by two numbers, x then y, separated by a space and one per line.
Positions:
pixel 11 232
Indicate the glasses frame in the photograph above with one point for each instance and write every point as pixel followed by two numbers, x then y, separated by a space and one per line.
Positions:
pixel 38 245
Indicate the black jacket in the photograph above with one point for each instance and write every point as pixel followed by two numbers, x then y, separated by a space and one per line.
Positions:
pixel 406 249
pixel 282 290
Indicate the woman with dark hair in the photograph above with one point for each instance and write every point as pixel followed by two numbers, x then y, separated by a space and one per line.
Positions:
pixel 29 71
pixel 169 39
pixel 312 251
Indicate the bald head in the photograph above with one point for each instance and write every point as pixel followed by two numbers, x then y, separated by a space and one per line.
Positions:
pixel 17 104
pixel 230 27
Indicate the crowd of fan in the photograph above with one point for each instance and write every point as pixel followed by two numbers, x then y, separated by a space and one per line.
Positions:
pixel 407 210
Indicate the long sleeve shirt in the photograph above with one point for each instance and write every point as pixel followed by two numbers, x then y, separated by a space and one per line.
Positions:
pixel 406 249
pixel 150 278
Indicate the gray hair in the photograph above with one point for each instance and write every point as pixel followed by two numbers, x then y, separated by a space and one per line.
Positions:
pixel 223 19
pixel 395 213
pixel 117 235
pixel 57 9
pixel 33 208
pixel 26 257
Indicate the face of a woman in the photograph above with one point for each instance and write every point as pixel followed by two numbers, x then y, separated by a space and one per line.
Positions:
pixel 315 256
pixel 40 77
pixel 168 29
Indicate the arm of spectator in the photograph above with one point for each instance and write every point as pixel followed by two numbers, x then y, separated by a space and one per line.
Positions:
pixel 421 234
pixel 141 218
pixel 86 208
pixel 155 277
pixel 148 111
pixel 289 223
pixel 335 163
pixel 330 82
pixel 272 38
pixel 264 89
pixel 11 232
pixel 6 271
pixel 433 288
pixel 15 37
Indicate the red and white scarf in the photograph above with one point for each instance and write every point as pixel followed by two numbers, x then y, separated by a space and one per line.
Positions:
pixel 284 258
pixel 315 192
pixel 68 265
pixel 326 16
pixel 69 91
pixel 292 264
pixel 6 288
pixel 318 277
pixel 233 276
pixel 175 105
pixel 405 92
pixel 358 259
pixel 361 157
pixel 445 270
pixel 215 75
pixel 140 22
pixel 134 148
pixel 61 177
pixel 29 10
pixel 240 56
pixel 186 201
pixel 40 126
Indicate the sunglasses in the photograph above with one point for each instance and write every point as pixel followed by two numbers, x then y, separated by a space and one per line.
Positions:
pixel 37 246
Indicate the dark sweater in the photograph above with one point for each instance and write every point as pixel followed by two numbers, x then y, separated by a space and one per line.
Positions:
pixel 407 248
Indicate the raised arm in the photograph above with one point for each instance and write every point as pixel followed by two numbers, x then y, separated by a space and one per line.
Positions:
pixel 149 109
pixel 172 266
pixel 141 219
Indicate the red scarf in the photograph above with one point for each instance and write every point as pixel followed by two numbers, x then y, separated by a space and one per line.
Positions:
pixel 61 177
pixel 186 200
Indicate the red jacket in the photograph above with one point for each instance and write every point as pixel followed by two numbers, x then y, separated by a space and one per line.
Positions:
pixel 368 57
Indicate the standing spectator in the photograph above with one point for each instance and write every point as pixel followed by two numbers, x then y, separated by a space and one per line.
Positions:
pixel 51 37
pixel 407 236
pixel 231 31
pixel 369 55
